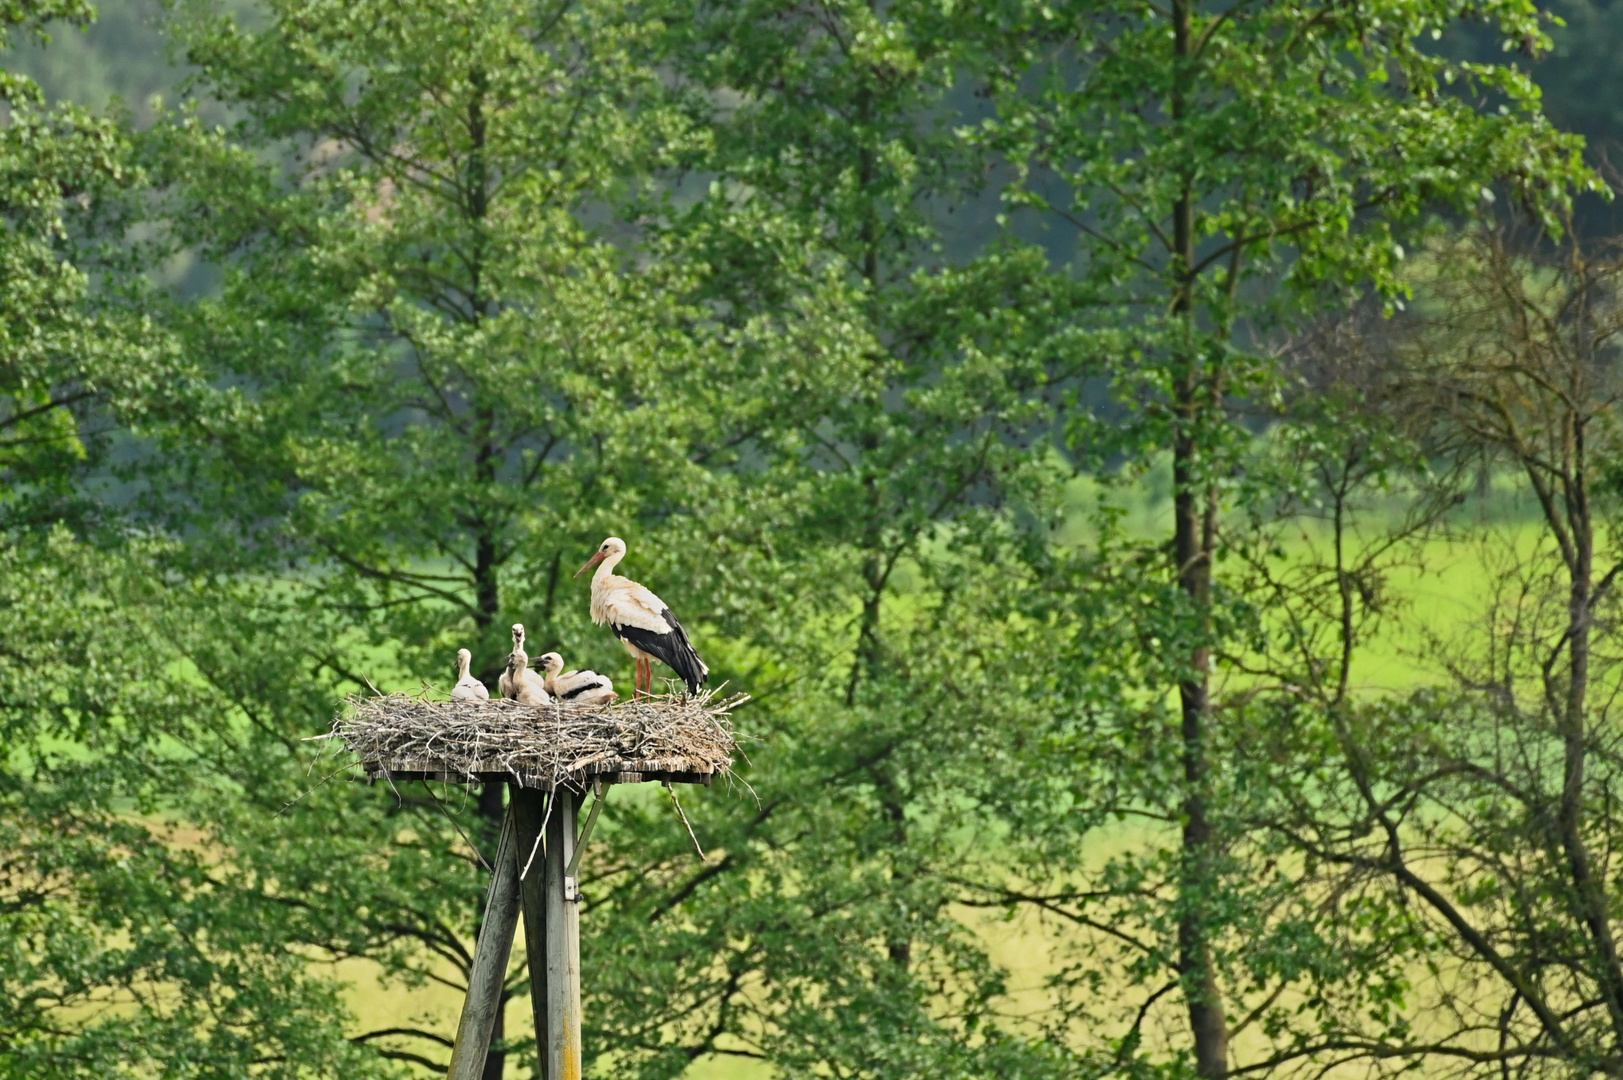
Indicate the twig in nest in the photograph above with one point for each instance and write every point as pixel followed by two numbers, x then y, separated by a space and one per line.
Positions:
pixel 311 790
pixel 540 834
pixel 684 817
pixel 471 845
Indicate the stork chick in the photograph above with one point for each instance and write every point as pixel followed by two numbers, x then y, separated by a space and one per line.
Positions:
pixel 585 687
pixel 642 621
pixel 518 682
pixel 467 687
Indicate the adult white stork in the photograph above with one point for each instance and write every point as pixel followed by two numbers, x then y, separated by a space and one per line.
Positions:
pixel 518 682
pixel 467 687
pixel 585 687
pixel 641 620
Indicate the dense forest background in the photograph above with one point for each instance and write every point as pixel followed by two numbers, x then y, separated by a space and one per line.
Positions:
pixel 1156 468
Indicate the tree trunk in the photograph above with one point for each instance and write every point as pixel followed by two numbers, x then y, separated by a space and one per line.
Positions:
pixel 865 662
pixel 1588 893
pixel 1207 1023
pixel 1193 528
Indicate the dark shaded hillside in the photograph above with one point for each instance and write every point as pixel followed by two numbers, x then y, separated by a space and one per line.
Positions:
pixel 1582 80
pixel 1582 83
pixel 122 56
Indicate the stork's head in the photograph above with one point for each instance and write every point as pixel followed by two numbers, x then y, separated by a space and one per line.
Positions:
pixel 612 547
pixel 463 659
pixel 551 663
pixel 518 634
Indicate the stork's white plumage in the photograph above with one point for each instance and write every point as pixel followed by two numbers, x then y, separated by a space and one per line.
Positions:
pixel 518 682
pixel 504 682
pixel 527 688
pixel 641 620
pixel 584 687
pixel 467 687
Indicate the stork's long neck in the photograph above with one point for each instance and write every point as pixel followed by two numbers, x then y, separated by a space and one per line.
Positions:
pixel 462 662
pixel 605 568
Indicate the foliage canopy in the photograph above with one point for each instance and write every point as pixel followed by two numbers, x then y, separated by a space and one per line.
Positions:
pixel 834 312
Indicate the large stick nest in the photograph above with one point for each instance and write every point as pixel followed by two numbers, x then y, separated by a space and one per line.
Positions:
pixel 675 738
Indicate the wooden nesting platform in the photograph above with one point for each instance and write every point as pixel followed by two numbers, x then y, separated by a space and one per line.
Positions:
pixel 677 739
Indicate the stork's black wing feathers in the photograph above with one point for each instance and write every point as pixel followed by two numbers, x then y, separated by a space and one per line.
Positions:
pixel 692 669
pixel 674 650
pixel 579 690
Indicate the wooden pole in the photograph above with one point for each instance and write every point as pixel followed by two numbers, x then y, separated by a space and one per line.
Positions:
pixel 490 953
pixel 530 811
pixel 561 1056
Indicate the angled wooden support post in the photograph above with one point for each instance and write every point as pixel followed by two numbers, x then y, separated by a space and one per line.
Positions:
pixel 530 812
pixel 489 970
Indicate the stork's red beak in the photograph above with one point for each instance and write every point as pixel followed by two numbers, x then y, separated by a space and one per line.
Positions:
pixel 593 561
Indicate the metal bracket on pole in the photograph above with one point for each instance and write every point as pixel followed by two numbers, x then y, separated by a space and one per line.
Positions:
pixel 571 877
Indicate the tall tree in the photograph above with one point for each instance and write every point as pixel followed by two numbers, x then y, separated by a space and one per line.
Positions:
pixel 438 389
pixel 883 460
pixel 1482 805
pixel 118 955
pixel 434 351
pixel 64 352
pixel 1224 168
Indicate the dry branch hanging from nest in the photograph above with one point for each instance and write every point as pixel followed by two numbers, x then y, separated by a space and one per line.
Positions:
pixel 678 739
